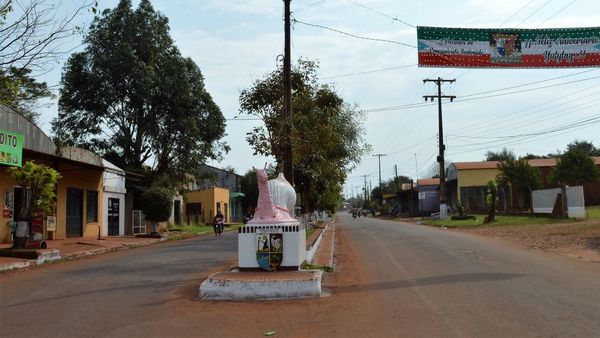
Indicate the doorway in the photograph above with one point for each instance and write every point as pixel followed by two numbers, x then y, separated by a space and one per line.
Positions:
pixel 74 212
pixel 113 216
pixel 177 212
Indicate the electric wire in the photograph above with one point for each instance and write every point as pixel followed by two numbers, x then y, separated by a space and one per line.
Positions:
pixel 555 14
pixel 294 20
pixel 535 11
pixel 380 13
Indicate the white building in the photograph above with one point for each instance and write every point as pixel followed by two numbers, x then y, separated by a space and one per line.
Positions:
pixel 113 215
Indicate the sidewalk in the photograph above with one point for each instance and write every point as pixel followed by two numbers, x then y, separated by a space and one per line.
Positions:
pixel 74 248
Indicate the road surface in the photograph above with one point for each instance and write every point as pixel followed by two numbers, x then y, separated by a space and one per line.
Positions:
pixel 391 280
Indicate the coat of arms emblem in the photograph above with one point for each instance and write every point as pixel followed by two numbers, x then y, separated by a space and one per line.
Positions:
pixel 269 250
pixel 505 48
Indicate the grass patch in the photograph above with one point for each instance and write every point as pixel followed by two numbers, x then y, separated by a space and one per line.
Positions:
pixel 309 232
pixel 593 212
pixel 308 266
pixel 203 228
pixel 500 221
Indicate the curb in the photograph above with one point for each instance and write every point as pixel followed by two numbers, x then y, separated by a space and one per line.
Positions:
pixel 53 255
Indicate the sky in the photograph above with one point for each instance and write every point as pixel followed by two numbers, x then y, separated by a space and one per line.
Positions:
pixel 236 42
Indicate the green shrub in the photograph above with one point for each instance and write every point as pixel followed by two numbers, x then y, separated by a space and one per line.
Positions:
pixel 156 204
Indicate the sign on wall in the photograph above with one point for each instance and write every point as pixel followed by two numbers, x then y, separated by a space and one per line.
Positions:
pixel 508 48
pixel 11 148
pixel 269 248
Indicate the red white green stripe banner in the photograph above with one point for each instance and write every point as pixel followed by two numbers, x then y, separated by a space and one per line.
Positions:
pixel 508 48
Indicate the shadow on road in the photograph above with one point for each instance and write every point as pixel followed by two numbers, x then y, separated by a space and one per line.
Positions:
pixel 436 280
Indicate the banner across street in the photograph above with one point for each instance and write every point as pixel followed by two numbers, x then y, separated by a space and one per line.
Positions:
pixel 508 48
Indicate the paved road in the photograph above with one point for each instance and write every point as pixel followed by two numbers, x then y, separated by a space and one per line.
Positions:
pixel 391 280
pixel 96 296
pixel 435 282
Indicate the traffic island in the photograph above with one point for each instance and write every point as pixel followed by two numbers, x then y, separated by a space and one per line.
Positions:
pixel 255 285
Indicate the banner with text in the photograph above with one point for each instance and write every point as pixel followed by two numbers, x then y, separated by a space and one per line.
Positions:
pixel 508 48
pixel 11 148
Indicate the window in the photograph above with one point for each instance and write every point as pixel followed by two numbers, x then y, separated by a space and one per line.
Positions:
pixel 92 206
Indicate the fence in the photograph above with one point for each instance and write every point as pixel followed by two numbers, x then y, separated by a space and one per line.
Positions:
pixel 545 200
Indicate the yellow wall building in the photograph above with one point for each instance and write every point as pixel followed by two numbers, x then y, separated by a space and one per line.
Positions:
pixel 200 206
pixel 79 192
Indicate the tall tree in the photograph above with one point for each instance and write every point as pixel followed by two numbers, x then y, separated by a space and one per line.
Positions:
pixel 521 177
pixel 132 96
pixel 586 146
pixel 21 91
pixel 575 167
pixel 327 136
pixel 502 155
pixel 32 38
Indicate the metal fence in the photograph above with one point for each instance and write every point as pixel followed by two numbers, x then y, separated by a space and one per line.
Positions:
pixel 544 201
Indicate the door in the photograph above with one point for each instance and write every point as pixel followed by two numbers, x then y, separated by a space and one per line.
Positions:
pixel 74 212
pixel 113 216
pixel 177 211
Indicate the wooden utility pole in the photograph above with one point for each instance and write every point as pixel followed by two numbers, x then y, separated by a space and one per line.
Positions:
pixel 396 180
pixel 288 164
pixel 366 190
pixel 380 190
pixel 442 147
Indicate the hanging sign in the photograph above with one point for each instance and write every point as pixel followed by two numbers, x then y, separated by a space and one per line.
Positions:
pixel 11 148
pixel 508 48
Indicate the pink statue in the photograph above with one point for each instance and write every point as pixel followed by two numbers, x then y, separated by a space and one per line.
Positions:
pixel 267 211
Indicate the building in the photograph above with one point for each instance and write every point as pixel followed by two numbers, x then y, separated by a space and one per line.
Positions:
pixel 202 205
pixel 428 195
pixel 467 182
pixel 80 208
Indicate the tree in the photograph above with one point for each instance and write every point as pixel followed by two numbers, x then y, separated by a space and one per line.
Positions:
pixel 520 176
pixel 491 200
pixel 156 204
pixel 586 146
pixel 574 167
pixel 38 182
pixel 130 94
pixel 327 134
pixel 21 91
pixel 34 35
pixel 503 155
pixel 249 187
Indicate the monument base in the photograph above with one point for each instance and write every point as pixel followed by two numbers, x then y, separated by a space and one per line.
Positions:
pixel 244 286
pixel 252 246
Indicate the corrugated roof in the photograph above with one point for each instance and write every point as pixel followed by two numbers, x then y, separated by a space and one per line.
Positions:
pixel 542 162
pixel 476 165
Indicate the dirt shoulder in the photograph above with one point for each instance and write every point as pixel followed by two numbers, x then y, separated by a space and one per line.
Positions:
pixel 580 240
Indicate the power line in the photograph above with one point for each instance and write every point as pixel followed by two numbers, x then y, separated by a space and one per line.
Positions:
pixel 555 14
pixel 368 72
pixel 537 10
pixel 380 13
pixel 352 35
pixel 517 12
pixel 416 105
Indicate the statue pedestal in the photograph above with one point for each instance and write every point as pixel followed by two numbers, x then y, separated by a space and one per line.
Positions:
pixel 282 243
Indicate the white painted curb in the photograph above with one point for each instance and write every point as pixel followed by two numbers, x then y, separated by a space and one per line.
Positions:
pixel 215 288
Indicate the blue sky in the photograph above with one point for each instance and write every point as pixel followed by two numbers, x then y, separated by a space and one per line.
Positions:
pixel 235 42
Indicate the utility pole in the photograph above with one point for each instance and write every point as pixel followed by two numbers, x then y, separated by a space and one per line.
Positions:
pixel 380 190
pixel 288 165
pixel 366 190
pixel 416 167
pixel 440 158
pixel 396 180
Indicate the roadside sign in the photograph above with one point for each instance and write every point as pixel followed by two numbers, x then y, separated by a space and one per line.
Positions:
pixel 422 195
pixel 11 148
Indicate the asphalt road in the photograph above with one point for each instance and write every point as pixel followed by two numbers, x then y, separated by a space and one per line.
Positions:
pixel 96 296
pixel 432 282
pixel 391 280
